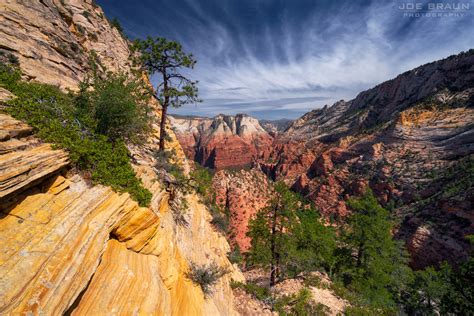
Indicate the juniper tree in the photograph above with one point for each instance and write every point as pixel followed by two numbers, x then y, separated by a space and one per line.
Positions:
pixel 167 59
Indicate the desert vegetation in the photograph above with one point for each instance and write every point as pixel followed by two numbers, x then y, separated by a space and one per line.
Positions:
pixel 93 124
pixel 206 276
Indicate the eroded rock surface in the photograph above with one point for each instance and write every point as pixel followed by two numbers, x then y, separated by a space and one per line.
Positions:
pixel 243 193
pixel 53 39
pixel 69 247
pixel 224 141
pixel 410 140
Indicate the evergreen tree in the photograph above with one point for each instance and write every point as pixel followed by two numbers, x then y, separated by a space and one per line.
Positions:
pixel 377 265
pixel 458 299
pixel 315 243
pixel 167 58
pixel 288 237
pixel 425 291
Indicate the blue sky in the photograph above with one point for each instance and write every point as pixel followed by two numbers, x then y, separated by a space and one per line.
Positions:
pixel 282 58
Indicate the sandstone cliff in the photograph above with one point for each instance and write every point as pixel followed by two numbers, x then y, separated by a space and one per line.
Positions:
pixel 68 247
pixel 410 139
pixel 52 39
pixel 224 141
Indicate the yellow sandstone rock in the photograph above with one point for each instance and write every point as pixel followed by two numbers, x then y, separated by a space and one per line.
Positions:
pixel 68 247
pixel 53 39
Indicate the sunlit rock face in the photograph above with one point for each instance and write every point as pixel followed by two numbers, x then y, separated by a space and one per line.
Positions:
pixel 71 247
pixel 224 141
pixel 53 39
pixel 67 246
pixel 410 140
pixel 242 193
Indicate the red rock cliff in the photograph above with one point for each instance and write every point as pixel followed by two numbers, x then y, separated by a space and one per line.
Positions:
pixel 224 141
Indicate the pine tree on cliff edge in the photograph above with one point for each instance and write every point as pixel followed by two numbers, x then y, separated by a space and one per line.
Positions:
pixel 167 59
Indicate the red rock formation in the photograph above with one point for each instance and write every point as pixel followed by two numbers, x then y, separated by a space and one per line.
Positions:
pixel 415 162
pixel 409 139
pixel 243 193
pixel 224 141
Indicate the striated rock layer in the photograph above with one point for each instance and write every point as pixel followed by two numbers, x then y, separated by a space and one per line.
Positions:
pixel 68 247
pixel 410 139
pixel 53 39
pixel 224 141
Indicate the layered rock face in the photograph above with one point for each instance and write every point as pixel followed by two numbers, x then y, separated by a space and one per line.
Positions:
pixel 71 248
pixel 410 140
pixel 53 39
pixel 224 141
pixel 243 193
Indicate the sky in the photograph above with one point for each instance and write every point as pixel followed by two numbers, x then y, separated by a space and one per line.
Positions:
pixel 277 59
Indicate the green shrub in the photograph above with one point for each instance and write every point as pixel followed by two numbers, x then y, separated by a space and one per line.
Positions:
pixel 55 118
pixel 206 276
pixel 300 304
pixel 163 161
pixel 116 24
pixel 220 220
pixel 117 104
pixel 314 281
pixel 203 180
pixel 9 58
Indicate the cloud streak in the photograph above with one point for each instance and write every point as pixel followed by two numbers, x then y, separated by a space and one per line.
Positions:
pixel 282 58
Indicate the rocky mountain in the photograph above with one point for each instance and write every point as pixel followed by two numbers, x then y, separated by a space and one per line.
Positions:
pixel 70 247
pixel 383 103
pixel 224 141
pixel 410 139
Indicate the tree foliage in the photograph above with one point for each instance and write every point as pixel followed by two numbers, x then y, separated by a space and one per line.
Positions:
pixel 272 232
pixel 446 290
pixel 117 104
pixel 288 237
pixel 376 265
pixel 367 266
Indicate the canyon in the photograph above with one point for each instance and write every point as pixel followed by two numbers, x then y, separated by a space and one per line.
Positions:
pixel 410 140
pixel 71 246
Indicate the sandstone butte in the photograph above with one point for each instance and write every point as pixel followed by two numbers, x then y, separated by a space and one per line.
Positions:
pixel 67 247
pixel 224 141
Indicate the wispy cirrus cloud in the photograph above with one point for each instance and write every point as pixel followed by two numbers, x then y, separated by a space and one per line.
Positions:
pixel 283 58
